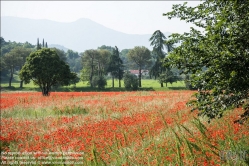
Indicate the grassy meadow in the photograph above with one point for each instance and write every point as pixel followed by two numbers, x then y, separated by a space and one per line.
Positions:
pixel 147 84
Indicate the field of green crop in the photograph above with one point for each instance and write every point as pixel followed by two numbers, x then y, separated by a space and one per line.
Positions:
pixel 147 84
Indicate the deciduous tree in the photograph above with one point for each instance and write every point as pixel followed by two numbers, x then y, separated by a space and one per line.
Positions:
pixel 11 62
pixel 45 68
pixel 90 64
pixel 141 56
pixel 222 48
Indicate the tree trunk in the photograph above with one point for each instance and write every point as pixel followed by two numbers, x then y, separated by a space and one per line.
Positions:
pixel 91 75
pixel 10 80
pixel 21 84
pixel 139 79
pixel 45 90
pixel 166 84
pixel 112 81
pixel 11 76
pixel 119 83
pixel 162 84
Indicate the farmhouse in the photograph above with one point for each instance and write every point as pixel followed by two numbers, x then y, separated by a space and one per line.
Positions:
pixel 136 72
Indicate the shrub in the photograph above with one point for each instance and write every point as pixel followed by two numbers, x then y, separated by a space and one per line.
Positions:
pixel 99 81
pixel 130 81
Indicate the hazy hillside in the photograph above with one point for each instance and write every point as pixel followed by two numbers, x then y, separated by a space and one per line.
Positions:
pixel 58 47
pixel 79 35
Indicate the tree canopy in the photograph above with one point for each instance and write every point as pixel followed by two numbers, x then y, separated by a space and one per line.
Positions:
pixel 222 49
pixel 115 66
pixel 45 68
pixel 158 70
pixel 14 60
pixel 141 57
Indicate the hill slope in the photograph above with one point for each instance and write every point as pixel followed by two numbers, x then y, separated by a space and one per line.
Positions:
pixel 79 35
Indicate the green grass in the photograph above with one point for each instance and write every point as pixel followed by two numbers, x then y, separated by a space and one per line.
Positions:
pixel 147 85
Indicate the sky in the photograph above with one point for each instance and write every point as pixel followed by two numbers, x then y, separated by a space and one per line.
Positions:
pixel 131 17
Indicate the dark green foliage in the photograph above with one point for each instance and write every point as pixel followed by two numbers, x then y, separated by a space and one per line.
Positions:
pixel 130 81
pixel 43 44
pixel 109 48
pixel 14 60
pixel 89 65
pixel 71 54
pixel 95 62
pixel 223 49
pixel 167 76
pixel 27 45
pixel 140 57
pixel 45 69
pixel 158 41
pixel 187 82
pixel 99 81
pixel 124 58
pixel 13 56
pixel 7 46
pixel 38 45
pixel 74 60
pixel 3 42
pixel 115 66
pixel 61 54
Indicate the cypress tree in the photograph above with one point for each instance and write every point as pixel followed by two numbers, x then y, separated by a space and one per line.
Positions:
pixel 38 46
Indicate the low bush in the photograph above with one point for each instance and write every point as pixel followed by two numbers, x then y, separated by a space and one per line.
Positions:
pixel 130 81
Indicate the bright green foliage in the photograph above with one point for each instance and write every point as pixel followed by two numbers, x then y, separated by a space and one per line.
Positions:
pixel 223 49
pixel 45 69
pixel 141 57
pixel 130 81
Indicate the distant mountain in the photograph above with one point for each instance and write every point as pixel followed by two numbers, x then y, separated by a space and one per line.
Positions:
pixel 58 47
pixel 79 36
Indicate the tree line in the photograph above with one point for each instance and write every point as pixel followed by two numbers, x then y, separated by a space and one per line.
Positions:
pixel 94 65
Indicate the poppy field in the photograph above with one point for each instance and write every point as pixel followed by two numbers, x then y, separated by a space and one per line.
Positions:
pixel 117 128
